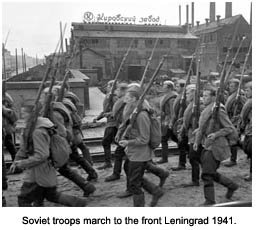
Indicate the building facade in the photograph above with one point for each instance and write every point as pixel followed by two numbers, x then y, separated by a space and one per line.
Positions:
pixel 102 46
pixel 216 37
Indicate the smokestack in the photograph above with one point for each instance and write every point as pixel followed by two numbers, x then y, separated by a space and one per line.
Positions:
pixel 251 15
pixel 66 45
pixel 192 14
pixel 228 12
pixel 180 15
pixel 197 23
pixel 187 14
pixel 16 61
pixel 207 21
pixel 218 18
pixel 212 11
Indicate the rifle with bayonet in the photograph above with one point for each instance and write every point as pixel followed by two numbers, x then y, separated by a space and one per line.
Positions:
pixel 110 101
pixel 138 107
pixel 148 63
pixel 177 124
pixel 233 61
pixel 196 103
pixel 30 126
pixel 220 91
pixel 238 105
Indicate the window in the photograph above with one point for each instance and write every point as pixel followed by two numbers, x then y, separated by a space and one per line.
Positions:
pixel 225 49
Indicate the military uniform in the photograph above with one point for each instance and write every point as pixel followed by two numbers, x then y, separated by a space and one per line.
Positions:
pixel 246 130
pixel 214 151
pixel 230 106
pixel 194 156
pixel 166 105
pixel 40 180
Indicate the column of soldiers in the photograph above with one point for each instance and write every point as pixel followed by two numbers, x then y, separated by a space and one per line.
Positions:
pixel 205 148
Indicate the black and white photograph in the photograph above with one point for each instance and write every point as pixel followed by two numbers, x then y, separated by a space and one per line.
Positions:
pixel 127 104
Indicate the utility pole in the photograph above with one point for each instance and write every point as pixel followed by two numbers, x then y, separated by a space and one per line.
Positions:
pixel 16 61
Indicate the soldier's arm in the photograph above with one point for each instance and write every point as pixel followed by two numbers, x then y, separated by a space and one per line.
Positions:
pixel 41 142
pixel 226 125
pixel 143 123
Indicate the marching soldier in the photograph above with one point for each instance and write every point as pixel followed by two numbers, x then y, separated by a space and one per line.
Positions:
pixel 40 180
pixel 139 153
pixel 110 130
pixel 76 141
pixel 246 126
pixel 117 114
pixel 230 107
pixel 187 129
pixel 182 144
pixel 9 123
pixel 216 147
pixel 166 105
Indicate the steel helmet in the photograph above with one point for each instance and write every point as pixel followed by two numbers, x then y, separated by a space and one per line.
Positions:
pixel 69 104
pixel 74 98
pixel 59 107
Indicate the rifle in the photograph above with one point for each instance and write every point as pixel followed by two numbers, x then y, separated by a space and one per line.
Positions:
pixel 66 78
pixel 196 104
pixel 222 73
pixel 3 89
pixel 110 98
pixel 233 61
pixel 138 107
pixel 148 62
pixel 30 126
pixel 220 90
pixel 182 104
pixel 238 95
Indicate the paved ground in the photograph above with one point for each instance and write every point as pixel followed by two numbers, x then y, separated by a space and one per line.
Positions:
pixel 175 195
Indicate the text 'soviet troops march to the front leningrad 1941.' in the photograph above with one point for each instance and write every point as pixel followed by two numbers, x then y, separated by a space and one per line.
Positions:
pixel 208 118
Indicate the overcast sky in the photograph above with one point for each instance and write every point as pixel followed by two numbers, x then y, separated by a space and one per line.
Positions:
pixel 35 25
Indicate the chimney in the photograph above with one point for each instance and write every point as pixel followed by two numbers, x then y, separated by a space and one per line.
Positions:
pixel 180 15
pixel 197 23
pixel 187 14
pixel 207 21
pixel 192 14
pixel 218 18
pixel 228 12
pixel 212 11
pixel 251 15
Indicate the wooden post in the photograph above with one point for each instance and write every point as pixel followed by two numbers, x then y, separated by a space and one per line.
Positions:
pixel 24 62
pixel 61 39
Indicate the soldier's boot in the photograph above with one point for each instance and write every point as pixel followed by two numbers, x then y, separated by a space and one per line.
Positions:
pixel 138 200
pixel 229 184
pixel 93 176
pixel 160 172
pixel 164 155
pixel 209 195
pixel 154 190
pixel 3 201
pixel 72 175
pixel 71 201
pixel 85 152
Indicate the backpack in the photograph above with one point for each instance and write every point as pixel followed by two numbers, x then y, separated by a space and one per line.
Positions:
pixel 155 130
pixel 59 148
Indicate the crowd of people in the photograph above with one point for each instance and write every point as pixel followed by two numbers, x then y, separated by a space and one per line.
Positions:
pixel 206 148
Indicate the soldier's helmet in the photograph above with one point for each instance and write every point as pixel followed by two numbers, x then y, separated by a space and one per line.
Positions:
pixel 60 107
pixel 74 98
pixel 69 104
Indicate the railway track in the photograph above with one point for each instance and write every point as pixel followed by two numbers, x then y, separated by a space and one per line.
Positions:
pixel 96 150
